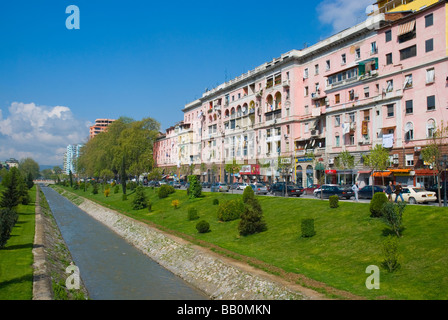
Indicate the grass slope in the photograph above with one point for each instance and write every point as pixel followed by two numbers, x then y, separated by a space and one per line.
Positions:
pixel 347 240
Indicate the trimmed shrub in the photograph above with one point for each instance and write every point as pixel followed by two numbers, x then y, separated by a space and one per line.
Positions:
pixel 307 228
pixel 175 203
pixel 252 218
pixel 230 210
pixel 392 215
pixel 107 191
pixel 390 252
pixel 95 188
pixel 140 201
pixel 165 190
pixel 203 226
pixel 248 193
pixel 192 214
pixel 334 201
pixel 195 189
pixel 116 189
pixel 149 206
pixel 376 204
pixel 215 202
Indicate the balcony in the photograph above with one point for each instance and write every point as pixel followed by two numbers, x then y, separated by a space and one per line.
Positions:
pixel 317 95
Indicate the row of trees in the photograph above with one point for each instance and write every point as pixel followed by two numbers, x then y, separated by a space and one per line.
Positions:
pixel 126 148
pixel 15 192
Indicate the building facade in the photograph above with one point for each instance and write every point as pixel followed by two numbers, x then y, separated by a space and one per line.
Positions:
pixel 383 81
pixel 72 153
pixel 99 126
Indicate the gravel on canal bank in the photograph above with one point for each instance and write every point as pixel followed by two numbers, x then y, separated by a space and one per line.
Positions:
pixel 219 277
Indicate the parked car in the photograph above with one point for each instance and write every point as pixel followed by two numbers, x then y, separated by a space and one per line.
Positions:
pixel 234 185
pixel 311 188
pixel 415 195
pixel 366 192
pixel 242 186
pixel 434 187
pixel 176 184
pixel 206 184
pixel 278 189
pixel 259 188
pixel 328 190
pixel 220 187
pixel 153 183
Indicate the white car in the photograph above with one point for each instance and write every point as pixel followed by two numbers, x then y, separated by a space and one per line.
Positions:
pixel 415 195
pixel 242 186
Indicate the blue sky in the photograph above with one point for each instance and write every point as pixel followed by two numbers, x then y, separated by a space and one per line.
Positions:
pixel 136 59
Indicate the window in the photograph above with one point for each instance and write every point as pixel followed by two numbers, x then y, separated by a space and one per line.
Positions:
pixel 358 54
pixel 408 52
pixel 409 106
pixel 389 58
pixel 388 35
pixel 343 59
pixel 351 117
pixel 337 141
pixel 366 92
pixel 328 65
pixel 306 91
pixel 430 128
pixel 431 103
pixel 430 75
pixel 390 110
pixel 306 127
pixel 390 86
pixel 409 34
pixel 366 115
pixel 409 131
pixel 306 110
pixel 409 160
pixel 337 121
pixel 305 73
pixel 317 86
pixel 352 139
pixel 373 48
pixel 429 45
pixel 316 69
pixel 408 82
pixel 429 20
pixel 337 98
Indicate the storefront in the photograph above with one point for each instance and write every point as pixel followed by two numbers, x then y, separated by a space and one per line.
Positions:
pixel 425 178
pixel 304 172
pixel 403 176
pixel 250 173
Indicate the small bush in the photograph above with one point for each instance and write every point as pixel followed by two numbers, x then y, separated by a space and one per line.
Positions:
pixel 252 218
pixel 165 190
pixel 140 201
pixel 376 204
pixel 192 214
pixel 195 189
pixel 203 226
pixel 149 206
pixel 248 193
pixel 334 201
pixel 175 203
pixel 107 191
pixel 215 202
pixel 390 252
pixel 124 197
pixel 95 188
pixel 392 215
pixel 230 210
pixel 308 228
pixel 116 189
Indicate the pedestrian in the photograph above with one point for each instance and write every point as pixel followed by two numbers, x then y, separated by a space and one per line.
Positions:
pixel 389 190
pixel 398 189
pixel 355 189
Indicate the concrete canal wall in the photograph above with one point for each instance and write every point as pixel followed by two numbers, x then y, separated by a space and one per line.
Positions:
pixel 217 276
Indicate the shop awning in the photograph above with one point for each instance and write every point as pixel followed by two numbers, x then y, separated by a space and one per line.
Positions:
pixel 425 172
pixel 400 170
pixel 406 27
pixel 365 172
pixel 382 174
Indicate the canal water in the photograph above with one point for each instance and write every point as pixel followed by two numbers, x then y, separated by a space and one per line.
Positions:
pixel 111 268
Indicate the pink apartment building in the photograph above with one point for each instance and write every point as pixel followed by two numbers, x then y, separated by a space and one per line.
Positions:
pixel 383 81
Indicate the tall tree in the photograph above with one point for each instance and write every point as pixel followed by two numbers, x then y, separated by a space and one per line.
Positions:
pixel 11 195
pixel 28 165
pixel 231 167
pixel 432 153
pixel 377 160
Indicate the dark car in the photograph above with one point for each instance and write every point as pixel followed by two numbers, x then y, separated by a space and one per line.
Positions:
pixel 278 189
pixel 206 185
pixel 434 188
pixel 328 190
pixel 176 184
pixel 154 184
pixel 366 192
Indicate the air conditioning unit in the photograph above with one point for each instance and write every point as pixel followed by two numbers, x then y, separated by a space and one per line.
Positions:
pixel 330 161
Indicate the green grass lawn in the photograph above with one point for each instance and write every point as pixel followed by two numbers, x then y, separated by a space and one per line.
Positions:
pixel 16 258
pixel 347 240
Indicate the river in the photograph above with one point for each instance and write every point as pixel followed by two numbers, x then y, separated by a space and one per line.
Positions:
pixel 110 267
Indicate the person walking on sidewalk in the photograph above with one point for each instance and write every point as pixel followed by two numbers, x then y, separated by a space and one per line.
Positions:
pixel 389 190
pixel 355 189
pixel 398 189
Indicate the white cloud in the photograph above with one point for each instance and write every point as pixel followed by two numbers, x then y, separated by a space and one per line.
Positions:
pixel 342 14
pixel 39 132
